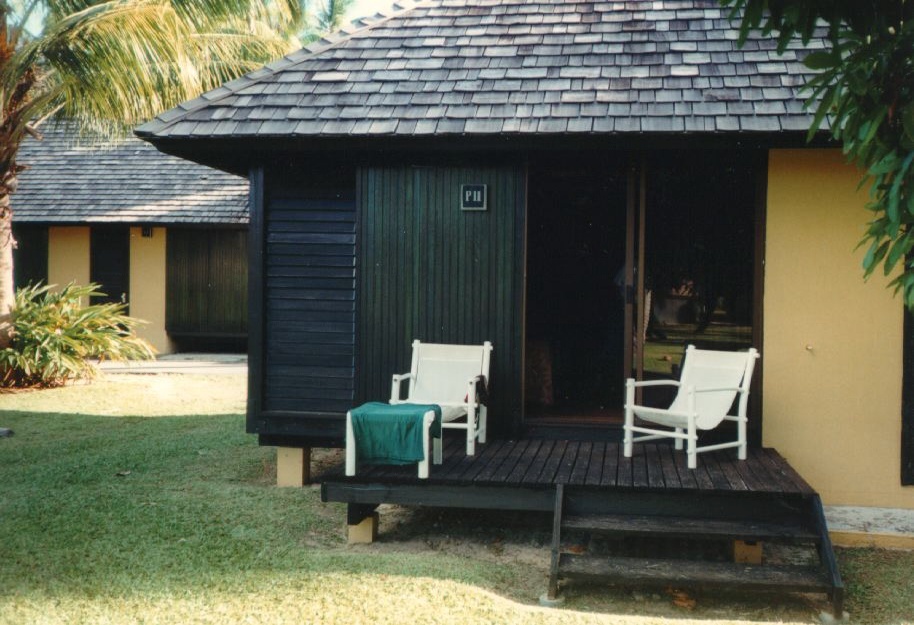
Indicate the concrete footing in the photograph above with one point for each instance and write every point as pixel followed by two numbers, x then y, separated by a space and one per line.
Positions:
pixel 365 532
pixel 293 466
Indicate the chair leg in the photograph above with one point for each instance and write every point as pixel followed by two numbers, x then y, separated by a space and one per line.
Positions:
pixel 741 434
pixel 471 442
pixel 677 442
pixel 350 446
pixel 427 421
pixel 628 440
pixel 437 450
pixel 483 410
pixel 692 444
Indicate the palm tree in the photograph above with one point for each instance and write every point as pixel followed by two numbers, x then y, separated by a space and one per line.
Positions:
pixel 112 64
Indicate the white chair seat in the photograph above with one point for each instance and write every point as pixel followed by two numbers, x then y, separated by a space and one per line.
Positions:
pixel 709 384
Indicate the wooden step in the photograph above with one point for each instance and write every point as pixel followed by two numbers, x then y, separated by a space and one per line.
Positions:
pixel 680 527
pixel 690 573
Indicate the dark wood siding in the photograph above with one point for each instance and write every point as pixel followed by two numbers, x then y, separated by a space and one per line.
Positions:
pixel 206 288
pixel 432 272
pixel 30 257
pixel 309 312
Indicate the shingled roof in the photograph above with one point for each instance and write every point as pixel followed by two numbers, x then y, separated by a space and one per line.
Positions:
pixel 129 181
pixel 514 67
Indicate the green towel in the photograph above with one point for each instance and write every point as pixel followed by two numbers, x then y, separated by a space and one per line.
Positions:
pixel 391 433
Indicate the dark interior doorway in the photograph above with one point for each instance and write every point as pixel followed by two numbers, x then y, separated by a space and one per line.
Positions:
pixel 576 230
pixel 109 263
pixel 627 263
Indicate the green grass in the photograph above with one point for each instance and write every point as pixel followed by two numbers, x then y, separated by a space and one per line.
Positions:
pixel 140 499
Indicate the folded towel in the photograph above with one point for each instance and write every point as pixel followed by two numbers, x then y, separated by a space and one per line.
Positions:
pixel 391 433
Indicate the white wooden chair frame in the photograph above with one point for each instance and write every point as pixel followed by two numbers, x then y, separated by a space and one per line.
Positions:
pixel 684 415
pixel 427 420
pixel 453 386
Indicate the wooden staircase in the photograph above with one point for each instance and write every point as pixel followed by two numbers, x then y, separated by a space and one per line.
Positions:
pixel 677 543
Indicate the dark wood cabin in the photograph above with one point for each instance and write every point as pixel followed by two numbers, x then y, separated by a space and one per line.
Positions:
pixel 628 153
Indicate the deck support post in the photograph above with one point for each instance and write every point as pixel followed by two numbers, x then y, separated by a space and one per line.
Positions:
pixel 361 523
pixel 293 466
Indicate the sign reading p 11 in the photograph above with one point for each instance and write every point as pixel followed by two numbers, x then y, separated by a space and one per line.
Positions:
pixel 473 197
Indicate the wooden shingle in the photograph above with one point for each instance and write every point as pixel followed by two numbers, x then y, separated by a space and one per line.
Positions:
pixel 640 56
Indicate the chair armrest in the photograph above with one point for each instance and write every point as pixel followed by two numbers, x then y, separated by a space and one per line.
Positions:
pixel 653 383
pixel 396 384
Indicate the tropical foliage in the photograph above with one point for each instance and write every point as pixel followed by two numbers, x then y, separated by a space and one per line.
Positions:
pixel 54 336
pixel 110 64
pixel 864 90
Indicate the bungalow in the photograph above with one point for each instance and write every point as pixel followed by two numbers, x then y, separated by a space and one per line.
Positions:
pixel 588 184
pixel 166 236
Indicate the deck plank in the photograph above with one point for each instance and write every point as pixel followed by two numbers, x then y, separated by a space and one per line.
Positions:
pixel 511 461
pixel 718 479
pixel 611 455
pixel 493 462
pixel 595 466
pixel 563 475
pixel 581 464
pixel 787 472
pixel 539 462
pixel 671 475
pixel 726 461
pixel 655 477
pixel 547 475
pixel 624 478
pixel 523 465
pixel 474 464
pixel 639 466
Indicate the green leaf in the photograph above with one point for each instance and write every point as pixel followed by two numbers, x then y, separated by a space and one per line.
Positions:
pixel 874 256
pixel 907 120
pixel 821 60
pixel 899 249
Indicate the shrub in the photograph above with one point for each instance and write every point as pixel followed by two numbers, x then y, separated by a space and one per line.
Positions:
pixel 54 336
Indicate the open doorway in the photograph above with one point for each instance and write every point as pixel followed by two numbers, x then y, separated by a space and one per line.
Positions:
pixel 626 265
pixel 576 234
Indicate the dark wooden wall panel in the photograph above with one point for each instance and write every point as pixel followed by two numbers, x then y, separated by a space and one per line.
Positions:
pixel 309 293
pixel 206 284
pixel 432 272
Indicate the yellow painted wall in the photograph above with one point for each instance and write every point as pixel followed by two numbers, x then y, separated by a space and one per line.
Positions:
pixel 147 286
pixel 832 409
pixel 68 261
pixel 68 255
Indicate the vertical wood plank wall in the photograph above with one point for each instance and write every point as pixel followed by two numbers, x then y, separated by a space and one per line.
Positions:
pixel 309 290
pixel 429 271
pixel 206 285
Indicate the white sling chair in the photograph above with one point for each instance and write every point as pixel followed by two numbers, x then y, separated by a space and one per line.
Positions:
pixel 709 383
pixel 450 376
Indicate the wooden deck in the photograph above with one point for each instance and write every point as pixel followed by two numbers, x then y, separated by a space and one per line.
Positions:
pixel 533 463
pixel 590 486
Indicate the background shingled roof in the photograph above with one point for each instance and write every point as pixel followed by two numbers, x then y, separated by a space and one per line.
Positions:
pixel 510 67
pixel 124 182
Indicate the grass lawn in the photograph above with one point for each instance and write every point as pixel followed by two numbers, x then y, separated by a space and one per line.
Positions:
pixel 140 499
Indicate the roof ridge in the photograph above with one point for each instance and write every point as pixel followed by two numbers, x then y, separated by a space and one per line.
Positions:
pixel 325 42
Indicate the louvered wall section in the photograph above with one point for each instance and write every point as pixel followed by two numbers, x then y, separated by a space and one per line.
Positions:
pixel 432 272
pixel 309 291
